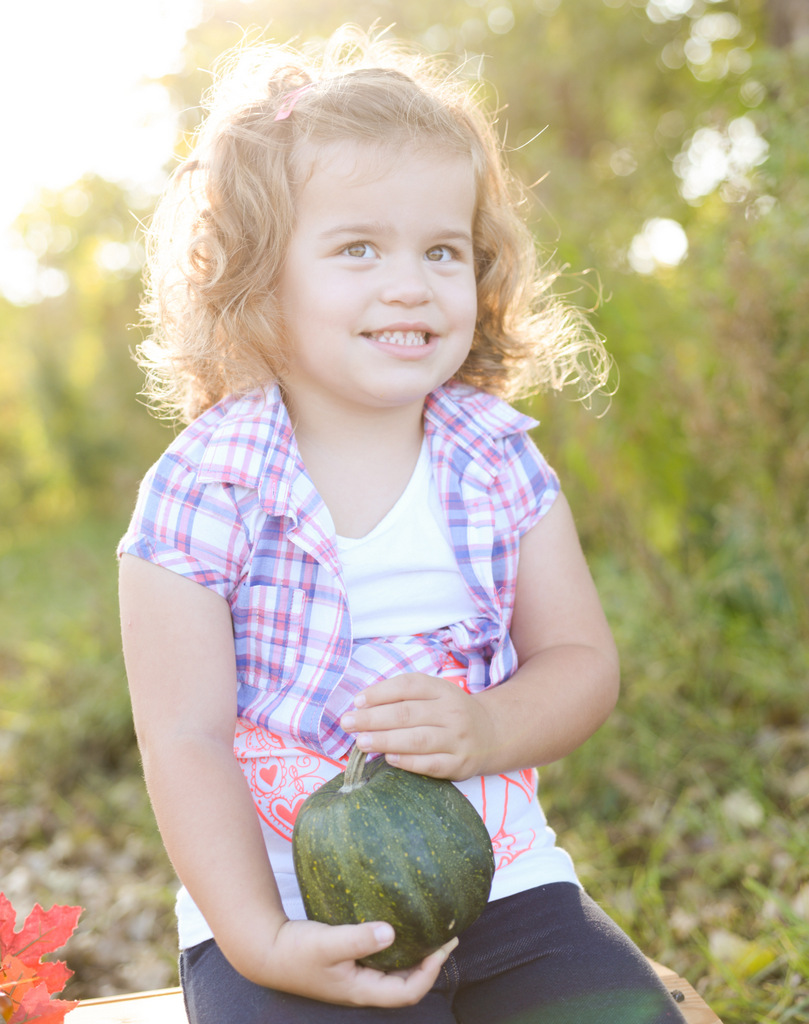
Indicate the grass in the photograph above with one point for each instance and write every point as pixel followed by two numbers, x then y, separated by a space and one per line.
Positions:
pixel 686 814
pixel 76 826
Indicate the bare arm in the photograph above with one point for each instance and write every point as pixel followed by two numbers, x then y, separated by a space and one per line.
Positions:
pixel 564 689
pixel 180 661
pixel 567 682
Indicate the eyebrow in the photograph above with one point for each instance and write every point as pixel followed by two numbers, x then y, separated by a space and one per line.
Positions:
pixel 369 228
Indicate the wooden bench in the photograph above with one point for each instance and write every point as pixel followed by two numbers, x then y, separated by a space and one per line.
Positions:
pixel 166 1006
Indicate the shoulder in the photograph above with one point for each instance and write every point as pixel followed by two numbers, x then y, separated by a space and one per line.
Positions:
pixel 499 446
pixel 233 442
pixel 187 516
pixel 489 428
pixel 213 472
pixel 473 413
pixel 234 422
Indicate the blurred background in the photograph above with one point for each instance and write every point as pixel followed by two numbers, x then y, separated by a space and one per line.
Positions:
pixel 667 145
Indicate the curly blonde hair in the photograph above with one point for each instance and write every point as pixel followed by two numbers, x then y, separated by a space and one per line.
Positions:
pixel 219 235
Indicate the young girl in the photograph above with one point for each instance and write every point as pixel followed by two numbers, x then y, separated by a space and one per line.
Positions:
pixel 355 540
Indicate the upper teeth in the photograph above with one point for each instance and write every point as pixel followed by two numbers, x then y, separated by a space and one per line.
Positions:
pixel 402 337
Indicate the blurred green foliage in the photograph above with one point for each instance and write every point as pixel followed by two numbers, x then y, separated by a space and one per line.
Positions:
pixel 687 812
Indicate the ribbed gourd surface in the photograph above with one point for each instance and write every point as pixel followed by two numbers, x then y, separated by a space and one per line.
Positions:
pixel 400 847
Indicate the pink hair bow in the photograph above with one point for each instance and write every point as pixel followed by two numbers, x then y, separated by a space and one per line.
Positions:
pixel 289 101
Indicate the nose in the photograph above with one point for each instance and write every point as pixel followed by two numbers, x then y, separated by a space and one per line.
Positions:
pixel 407 282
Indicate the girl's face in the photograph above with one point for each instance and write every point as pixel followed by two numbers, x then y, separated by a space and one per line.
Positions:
pixel 378 288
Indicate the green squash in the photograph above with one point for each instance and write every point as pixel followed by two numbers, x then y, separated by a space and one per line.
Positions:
pixel 377 843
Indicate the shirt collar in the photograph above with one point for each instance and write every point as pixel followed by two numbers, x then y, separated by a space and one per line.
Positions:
pixel 470 416
pixel 471 420
pixel 253 444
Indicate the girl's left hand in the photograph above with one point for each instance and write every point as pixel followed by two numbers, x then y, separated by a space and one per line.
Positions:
pixel 422 724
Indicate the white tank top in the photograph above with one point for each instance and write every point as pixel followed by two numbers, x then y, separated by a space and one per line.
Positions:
pixel 402 578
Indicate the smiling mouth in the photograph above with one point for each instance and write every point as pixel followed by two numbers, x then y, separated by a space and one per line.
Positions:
pixel 405 339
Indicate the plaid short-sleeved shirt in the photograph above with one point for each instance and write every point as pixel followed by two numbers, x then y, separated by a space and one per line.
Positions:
pixel 230 506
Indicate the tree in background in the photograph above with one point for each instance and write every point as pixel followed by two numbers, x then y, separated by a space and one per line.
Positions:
pixel 70 427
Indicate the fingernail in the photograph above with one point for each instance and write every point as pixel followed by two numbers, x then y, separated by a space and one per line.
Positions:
pixel 359 700
pixel 364 741
pixel 348 722
pixel 392 758
pixel 384 934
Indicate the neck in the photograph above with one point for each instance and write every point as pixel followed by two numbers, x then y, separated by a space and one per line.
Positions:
pixel 359 462
pixel 329 426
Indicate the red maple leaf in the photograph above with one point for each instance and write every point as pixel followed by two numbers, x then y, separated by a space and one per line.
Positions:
pixel 26 981
pixel 37 1005
pixel 43 931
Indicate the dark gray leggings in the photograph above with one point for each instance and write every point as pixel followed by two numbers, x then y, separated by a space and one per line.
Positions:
pixel 546 956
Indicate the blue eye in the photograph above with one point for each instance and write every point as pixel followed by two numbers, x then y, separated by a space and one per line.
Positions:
pixel 359 250
pixel 440 254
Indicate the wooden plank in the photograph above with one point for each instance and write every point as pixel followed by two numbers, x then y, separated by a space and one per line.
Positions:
pixel 165 1006
pixel 692 1006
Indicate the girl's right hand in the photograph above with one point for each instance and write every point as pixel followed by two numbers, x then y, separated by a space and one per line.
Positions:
pixel 319 961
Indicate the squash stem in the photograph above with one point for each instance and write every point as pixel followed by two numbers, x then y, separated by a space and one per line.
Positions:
pixel 356 763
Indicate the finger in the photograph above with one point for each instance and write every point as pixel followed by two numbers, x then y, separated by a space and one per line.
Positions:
pixel 420 741
pixel 409 685
pixel 403 714
pixel 355 941
pixel 440 955
pixel 438 766
pixel 431 964
pixel 397 988
pixel 427 701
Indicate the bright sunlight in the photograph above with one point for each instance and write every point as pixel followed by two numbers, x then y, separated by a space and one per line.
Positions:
pixel 75 80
